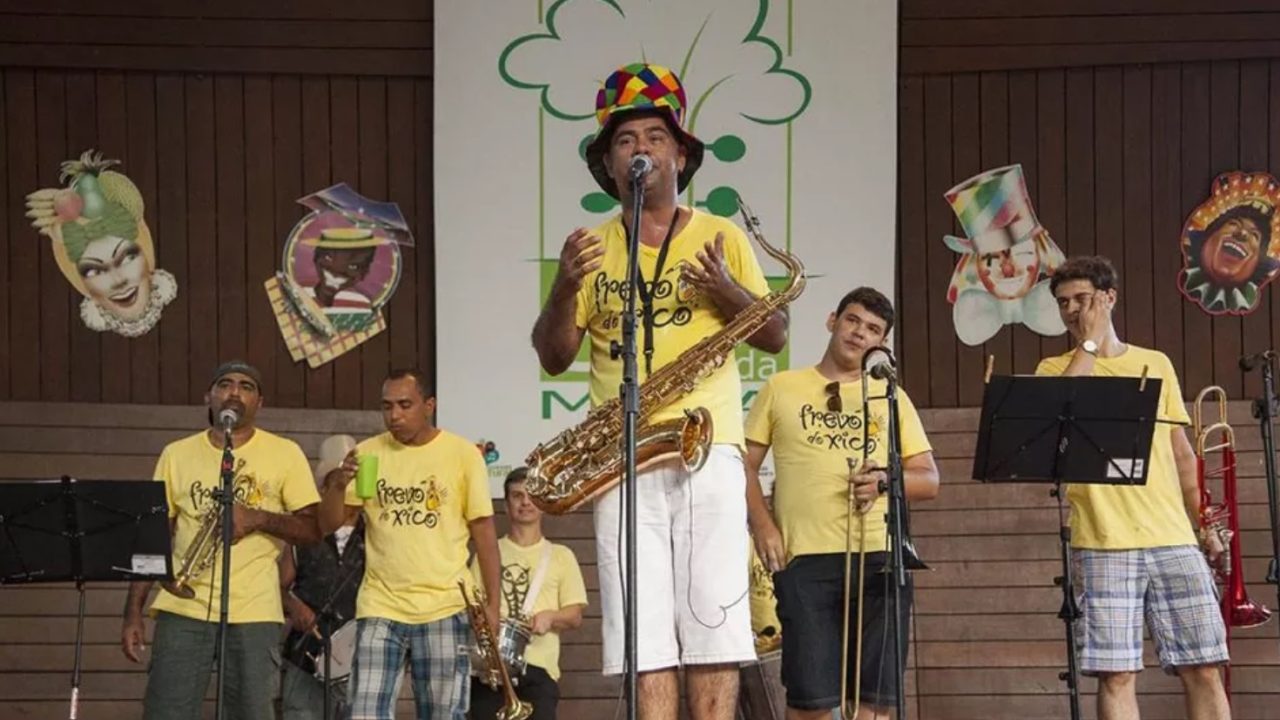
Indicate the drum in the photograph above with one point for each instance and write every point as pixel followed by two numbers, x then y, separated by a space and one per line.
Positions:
pixel 513 638
pixel 342 646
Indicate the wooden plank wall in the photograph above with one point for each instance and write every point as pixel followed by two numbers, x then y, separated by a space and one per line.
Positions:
pixel 223 113
pixel 1121 113
pixel 987 643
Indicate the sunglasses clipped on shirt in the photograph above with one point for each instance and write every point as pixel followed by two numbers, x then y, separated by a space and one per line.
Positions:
pixel 834 403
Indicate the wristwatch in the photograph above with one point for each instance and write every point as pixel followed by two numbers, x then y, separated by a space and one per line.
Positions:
pixel 1090 347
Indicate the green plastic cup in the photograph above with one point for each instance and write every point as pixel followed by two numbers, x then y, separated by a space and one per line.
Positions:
pixel 366 476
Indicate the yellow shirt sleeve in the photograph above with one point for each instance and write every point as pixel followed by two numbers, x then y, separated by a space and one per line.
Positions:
pixel 759 425
pixel 299 489
pixel 477 503
pixel 914 441
pixel 742 262
pixel 573 590
pixel 162 474
pixel 1172 409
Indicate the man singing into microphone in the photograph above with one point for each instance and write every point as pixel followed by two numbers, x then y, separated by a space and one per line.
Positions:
pixel 1136 545
pixel 698 273
pixel 814 421
pixel 275 499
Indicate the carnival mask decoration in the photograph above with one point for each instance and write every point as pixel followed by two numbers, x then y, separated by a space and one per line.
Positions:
pixel 1002 277
pixel 1231 244
pixel 341 265
pixel 102 245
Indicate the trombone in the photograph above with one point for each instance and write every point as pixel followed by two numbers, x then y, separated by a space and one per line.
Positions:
pixel 861 509
pixel 910 561
pixel 1223 518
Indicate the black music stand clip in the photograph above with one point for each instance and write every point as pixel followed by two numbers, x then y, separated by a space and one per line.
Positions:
pixel 1041 429
pixel 83 531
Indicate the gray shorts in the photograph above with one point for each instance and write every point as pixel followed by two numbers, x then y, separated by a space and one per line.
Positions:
pixel 1170 588
pixel 182 663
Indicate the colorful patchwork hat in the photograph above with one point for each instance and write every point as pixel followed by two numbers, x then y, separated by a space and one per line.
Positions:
pixel 994 209
pixel 641 87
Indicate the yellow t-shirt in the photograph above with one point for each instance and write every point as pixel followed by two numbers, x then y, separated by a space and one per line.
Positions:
pixel 562 586
pixel 811 446
pixel 272 474
pixel 416 527
pixel 682 317
pixel 1116 517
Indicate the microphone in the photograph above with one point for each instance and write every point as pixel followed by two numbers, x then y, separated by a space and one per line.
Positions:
pixel 1249 362
pixel 228 418
pixel 640 166
pixel 883 371
pixel 882 368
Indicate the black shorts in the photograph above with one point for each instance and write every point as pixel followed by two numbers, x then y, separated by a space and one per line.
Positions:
pixel 810 591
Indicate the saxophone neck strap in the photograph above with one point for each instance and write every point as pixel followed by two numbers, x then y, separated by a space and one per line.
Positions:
pixel 642 287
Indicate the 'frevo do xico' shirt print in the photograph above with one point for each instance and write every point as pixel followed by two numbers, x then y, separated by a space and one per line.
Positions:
pixel 414 504
pixel 247 488
pixel 830 430
pixel 673 299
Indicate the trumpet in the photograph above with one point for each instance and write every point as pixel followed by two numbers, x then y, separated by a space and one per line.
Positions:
pixel 199 554
pixel 495 673
pixel 1223 518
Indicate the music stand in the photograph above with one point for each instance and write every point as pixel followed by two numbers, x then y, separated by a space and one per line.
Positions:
pixel 1042 429
pixel 42 539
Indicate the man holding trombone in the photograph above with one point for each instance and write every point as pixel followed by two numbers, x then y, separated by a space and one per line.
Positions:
pixel 825 539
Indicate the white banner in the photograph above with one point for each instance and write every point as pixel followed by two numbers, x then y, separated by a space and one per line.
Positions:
pixel 795 101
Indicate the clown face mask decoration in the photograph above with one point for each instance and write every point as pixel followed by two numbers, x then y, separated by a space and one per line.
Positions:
pixel 1230 244
pixel 1002 277
pixel 102 245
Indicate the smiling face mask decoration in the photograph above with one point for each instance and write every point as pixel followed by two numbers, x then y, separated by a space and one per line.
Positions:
pixel 1227 248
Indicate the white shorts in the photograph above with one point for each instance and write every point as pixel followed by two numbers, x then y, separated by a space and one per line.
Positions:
pixel 693 554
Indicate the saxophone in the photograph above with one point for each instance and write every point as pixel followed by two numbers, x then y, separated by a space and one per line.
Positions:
pixel 586 460
pixel 494 673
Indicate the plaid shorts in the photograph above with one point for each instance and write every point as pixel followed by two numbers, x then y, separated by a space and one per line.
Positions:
pixel 1171 588
pixel 440 664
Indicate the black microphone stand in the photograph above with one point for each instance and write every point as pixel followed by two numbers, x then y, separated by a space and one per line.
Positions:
pixel 896 519
pixel 226 498
pixel 629 393
pixel 325 618
pixel 1264 409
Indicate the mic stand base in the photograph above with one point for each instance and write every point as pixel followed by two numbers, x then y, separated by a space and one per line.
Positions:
pixel 897 541
pixel 1070 611
pixel 1264 409
pixel 75 669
